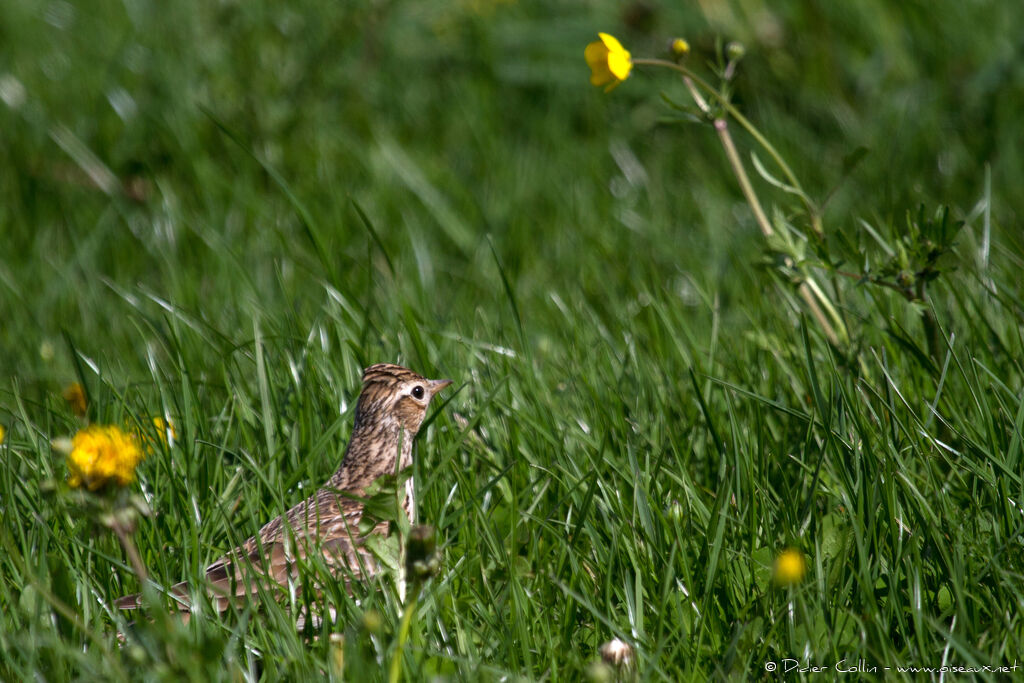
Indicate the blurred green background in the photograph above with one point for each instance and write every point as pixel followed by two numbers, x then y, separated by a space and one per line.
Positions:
pixel 449 122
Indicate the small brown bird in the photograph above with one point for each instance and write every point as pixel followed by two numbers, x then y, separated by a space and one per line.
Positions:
pixel 391 408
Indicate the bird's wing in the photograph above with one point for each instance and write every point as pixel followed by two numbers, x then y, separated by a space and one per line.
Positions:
pixel 324 522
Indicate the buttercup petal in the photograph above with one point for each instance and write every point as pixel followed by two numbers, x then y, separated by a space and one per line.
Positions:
pixel 611 42
pixel 609 62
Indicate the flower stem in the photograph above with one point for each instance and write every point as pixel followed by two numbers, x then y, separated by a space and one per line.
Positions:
pixel 722 128
pixel 395 670
pixel 131 551
pixel 808 289
pixel 791 178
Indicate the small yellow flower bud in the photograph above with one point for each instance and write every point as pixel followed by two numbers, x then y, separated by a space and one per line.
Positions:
pixel 136 653
pixel 735 51
pixel 679 48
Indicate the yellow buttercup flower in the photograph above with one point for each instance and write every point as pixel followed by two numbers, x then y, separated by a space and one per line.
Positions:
pixel 3 433
pixel 609 62
pixel 790 567
pixel 102 454
pixel 74 394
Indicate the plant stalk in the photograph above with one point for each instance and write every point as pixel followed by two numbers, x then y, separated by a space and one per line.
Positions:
pixel 395 671
pixel 808 289
pixel 693 81
pixel 131 551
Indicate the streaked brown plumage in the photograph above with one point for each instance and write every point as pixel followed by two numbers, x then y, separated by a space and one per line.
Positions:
pixel 391 408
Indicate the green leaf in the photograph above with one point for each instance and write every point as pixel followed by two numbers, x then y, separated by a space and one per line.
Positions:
pixel 386 548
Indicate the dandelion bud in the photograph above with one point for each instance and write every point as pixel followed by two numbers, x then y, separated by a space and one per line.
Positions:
pixel 123 518
pixel 679 48
pixel 421 559
pixel 735 51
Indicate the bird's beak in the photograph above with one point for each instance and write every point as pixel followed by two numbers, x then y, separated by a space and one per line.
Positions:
pixel 437 385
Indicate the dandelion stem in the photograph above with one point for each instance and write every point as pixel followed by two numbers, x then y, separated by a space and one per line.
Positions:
pixel 129 548
pixel 395 670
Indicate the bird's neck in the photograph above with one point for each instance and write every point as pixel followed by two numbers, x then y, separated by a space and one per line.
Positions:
pixel 372 452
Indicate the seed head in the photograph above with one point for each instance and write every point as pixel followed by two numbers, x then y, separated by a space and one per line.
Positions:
pixel 617 653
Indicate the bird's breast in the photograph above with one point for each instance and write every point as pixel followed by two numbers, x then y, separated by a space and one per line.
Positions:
pixel 410 500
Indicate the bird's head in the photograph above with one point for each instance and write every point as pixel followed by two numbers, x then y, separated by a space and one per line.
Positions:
pixel 394 397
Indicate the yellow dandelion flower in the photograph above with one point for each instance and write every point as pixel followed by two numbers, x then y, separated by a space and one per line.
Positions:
pixel 102 454
pixel 74 394
pixel 790 567
pixel 609 62
pixel 3 433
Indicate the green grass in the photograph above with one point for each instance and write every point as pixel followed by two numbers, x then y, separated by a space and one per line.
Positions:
pixel 642 417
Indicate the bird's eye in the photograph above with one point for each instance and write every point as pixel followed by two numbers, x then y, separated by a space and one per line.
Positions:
pixel 417 392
